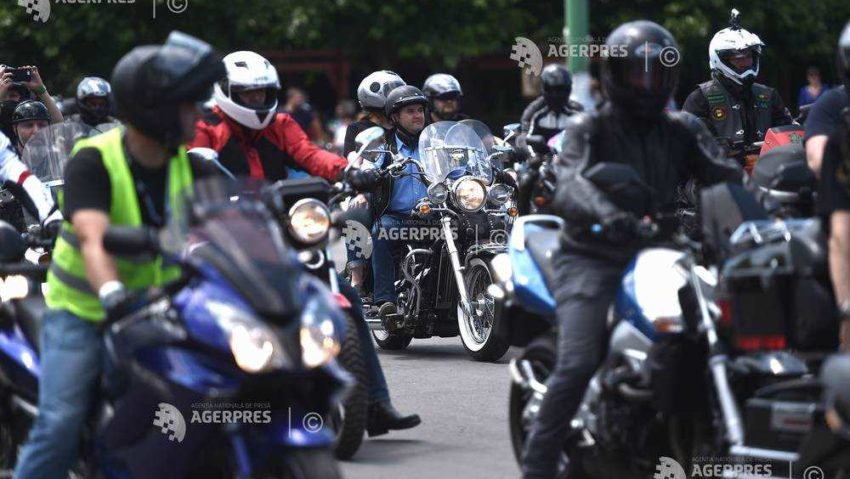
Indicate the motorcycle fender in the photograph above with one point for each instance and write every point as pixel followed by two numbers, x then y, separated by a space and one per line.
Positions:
pixel 342 301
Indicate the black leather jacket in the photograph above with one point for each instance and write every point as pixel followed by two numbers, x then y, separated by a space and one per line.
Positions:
pixel 539 119
pixel 666 154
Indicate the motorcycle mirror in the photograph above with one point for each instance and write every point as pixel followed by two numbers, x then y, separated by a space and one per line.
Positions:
pixel 12 245
pixel 131 241
pixel 510 129
pixel 369 139
pixel 210 155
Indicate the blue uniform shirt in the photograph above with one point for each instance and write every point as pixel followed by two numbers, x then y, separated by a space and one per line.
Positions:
pixel 407 190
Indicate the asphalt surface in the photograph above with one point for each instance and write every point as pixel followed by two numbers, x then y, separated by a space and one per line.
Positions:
pixel 464 410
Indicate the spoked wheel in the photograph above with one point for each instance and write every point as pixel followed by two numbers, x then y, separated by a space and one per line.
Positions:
pixel 524 403
pixel 477 330
pixel 349 418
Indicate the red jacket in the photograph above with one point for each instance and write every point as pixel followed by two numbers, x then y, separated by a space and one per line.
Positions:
pixel 266 153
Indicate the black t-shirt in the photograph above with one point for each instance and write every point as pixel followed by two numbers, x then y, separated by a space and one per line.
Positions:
pixel 825 114
pixel 87 185
pixel 353 130
pixel 834 188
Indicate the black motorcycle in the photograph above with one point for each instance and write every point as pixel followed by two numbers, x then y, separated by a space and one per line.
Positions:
pixel 443 275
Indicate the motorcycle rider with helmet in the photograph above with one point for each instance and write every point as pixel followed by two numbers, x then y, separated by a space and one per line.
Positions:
pixel 122 177
pixel 444 98
pixel 253 139
pixel 736 109
pixel 548 114
pixel 372 96
pixel 250 136
pixel 94 102
pixel 666 149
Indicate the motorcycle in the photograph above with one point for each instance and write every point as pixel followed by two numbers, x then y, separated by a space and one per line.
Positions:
pixel 681 364
pixel 241 331
pixel 442 279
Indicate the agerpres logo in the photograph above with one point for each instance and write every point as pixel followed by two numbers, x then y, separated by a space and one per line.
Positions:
pixel 39 9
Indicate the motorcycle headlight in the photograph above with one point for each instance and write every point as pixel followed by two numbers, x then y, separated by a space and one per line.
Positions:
pixel 14 287
pixel 438 193
pixel 309 221
pixel 254 345
pixel 319 338
pixel 470 194
pixel 502 269
pixel 500 194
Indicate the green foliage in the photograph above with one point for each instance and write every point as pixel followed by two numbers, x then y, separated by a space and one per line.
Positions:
pixel 84 39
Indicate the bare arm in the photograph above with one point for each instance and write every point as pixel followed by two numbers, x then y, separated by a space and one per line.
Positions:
pixel 839 266
pixel 44 97
pixel 814 152
pixel 90 226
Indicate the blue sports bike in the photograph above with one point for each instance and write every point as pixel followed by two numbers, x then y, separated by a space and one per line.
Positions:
pixel 228 371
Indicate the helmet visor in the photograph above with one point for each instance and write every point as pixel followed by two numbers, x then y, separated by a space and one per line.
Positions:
pixel 643 76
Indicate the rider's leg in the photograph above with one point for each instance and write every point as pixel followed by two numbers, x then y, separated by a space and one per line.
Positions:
pixel 587 289
pixel 71 361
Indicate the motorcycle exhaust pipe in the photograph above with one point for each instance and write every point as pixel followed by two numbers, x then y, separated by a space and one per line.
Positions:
pixel 29 409
pixel 523 375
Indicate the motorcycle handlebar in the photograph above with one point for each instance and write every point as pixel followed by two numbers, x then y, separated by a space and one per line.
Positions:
pixel 34 271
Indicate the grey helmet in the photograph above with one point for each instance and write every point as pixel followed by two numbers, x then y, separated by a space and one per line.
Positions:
pixel 373 90
pixel 94 87
pixel 440 84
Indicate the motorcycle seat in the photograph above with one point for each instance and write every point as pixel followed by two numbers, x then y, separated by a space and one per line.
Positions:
pixel 29 312
pixel 543 245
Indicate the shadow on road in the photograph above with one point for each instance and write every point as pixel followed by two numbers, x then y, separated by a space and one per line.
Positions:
pixel 439 352
pixel 388 451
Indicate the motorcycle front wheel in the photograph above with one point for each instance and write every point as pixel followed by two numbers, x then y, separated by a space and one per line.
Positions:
pixel 308 464
pixel 477 331
pixel 349 418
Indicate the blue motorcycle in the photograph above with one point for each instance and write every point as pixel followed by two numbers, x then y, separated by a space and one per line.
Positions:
pixel 689 373
pixel 228 371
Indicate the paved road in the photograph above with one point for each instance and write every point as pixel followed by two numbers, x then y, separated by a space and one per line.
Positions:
pixel 464 407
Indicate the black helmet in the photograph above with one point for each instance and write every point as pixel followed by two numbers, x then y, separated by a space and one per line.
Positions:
pixel 30 110
pixel 843 56
pixel 403 96
pixel 93 87
pixel 557 84
pixel 645 72
pixel 151 82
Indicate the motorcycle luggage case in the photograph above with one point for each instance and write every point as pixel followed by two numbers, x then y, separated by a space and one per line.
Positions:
pixel 778 425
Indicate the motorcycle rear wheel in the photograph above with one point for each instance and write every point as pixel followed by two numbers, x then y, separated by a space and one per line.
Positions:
pixel 391 341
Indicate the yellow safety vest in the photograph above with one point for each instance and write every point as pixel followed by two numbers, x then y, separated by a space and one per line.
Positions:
pixel 68 287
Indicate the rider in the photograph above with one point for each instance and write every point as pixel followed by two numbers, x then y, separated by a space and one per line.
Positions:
pixel 29 118
pixel 372 96
pixel 121 178
pixel 666 149
pixel 394 199
pixel 834 197
pixel 548 114
pixel 251 138
pixel 93 101
pixel 731 104
pixel 444 97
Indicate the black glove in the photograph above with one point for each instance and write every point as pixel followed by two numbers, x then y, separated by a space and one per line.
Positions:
pixel 362 180
pixel 620 227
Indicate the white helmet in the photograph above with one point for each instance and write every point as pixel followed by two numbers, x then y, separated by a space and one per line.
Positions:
pixel 730 42
pixel 373 90
pixel 248 71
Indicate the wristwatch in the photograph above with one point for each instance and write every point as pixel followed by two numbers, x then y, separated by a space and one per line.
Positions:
pixel 111 294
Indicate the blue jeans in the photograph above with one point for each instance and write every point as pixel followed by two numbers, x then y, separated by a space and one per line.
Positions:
pixel 378 390
pixel 383 251
pixel 71 362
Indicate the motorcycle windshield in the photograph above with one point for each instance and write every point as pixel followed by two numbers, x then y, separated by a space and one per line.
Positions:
pixel 483 132
pixel 448 149
pixel 226 225
pixel 49 150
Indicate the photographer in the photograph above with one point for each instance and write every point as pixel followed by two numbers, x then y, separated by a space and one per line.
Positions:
pixel 17 91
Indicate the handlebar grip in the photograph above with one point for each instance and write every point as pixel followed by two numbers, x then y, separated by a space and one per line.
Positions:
pixel 35 271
